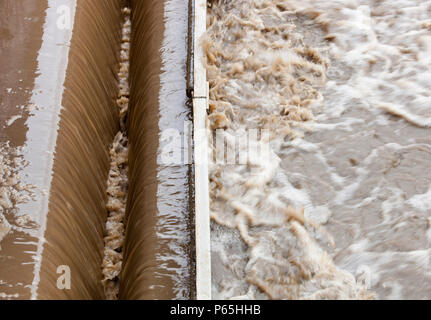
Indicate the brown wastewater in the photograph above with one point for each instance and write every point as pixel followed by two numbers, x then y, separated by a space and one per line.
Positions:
pixel 319 128
pixel 88 209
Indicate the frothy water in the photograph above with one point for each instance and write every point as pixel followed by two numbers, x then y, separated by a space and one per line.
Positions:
pixel 340 209
pixel 118 181
pixel 13 192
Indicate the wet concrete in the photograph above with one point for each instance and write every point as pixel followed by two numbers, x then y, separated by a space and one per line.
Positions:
pixel 21 28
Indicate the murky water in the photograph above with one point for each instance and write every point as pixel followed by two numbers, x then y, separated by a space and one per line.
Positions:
pixel 331 200
pixel 118 179
pixel 341 207
pixel 158 207
pixel 54 198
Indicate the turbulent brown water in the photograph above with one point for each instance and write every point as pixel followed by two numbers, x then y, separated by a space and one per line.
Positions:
pixel 335 202
pixel 118 178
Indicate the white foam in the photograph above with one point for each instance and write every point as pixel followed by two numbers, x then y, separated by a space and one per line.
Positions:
pixel 421 201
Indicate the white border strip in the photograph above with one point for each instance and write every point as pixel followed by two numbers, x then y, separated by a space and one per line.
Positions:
pixel 200 105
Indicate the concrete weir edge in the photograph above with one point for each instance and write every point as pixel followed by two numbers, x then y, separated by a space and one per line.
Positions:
pixel 200 105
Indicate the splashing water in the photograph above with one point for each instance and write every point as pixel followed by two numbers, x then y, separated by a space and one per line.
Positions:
pixel 357 163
